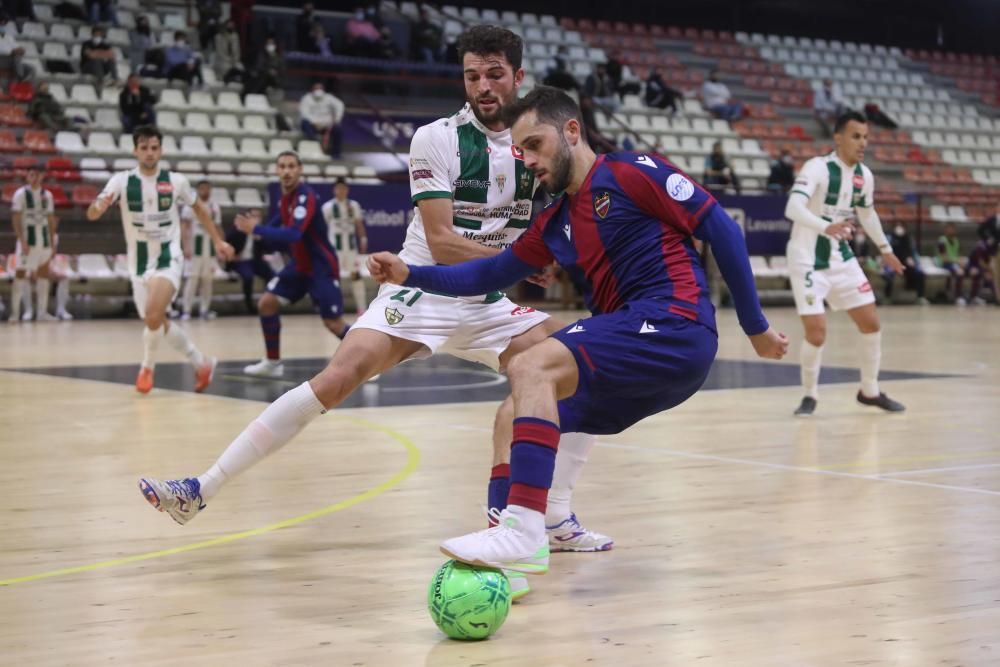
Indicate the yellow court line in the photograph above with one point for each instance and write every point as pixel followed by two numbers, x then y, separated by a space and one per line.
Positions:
pixel 412 461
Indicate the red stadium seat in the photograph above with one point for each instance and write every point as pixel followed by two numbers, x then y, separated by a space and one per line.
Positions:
pixel 8 191
pixel 38 141
pixel 62 169
pixel 83 195
pixel 22 91
pixel 8 142
pixel 58 195
pixel 13 115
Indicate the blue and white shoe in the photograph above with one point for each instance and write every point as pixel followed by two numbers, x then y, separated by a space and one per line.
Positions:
pixel 180 498
pixel 569 535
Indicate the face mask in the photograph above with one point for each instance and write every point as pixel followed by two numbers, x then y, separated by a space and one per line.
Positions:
pixel 98 40
pixel 271 48
pixel 318 94
pixel 899 231
pixel 788 160
pixel 181 43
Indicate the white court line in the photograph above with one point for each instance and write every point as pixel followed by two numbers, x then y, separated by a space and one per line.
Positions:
pixel 921 471
pixel 781 466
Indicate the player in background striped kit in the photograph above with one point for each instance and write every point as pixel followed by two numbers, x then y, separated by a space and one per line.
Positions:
pixel 34 218
pixel 346 224
pixel 200 252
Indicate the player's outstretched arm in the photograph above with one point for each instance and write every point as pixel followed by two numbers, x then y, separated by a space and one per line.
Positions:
pixel 204 215
pixel 466 279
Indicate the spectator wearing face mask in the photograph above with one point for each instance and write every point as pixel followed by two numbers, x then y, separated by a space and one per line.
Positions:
pixel 362 36
pixel 782 175
pixel 135 103
pixel 904 248
pixel 270 69
pixel 45 110
pixel 228 60
pixel 98 59
pixel 719 100
pixel 321 115
pixel 181 62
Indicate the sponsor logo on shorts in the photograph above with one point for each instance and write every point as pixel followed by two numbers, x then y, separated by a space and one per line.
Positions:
pixel 393 316
pixel 164 187
pixel 422 173
pixel 810 299
pixel 865 287
pixel 602 204
pixel 679 188
pixel 521 310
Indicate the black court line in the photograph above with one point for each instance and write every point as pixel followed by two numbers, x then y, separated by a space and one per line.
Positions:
pixel 440 379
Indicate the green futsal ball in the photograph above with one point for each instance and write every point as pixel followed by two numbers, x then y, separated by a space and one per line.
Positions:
pixel 468 602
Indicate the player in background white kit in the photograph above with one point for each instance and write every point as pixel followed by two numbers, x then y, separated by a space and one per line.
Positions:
pixel 472 196
pixel 33 214
pixel 830 193
pixel 346 225
pixel 149 201
pixel 200 252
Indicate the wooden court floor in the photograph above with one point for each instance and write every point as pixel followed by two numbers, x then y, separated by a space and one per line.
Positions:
pixel 743 536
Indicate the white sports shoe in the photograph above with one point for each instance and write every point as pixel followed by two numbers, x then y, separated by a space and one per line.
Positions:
pixel 64 315
pixel 265 368
pixel 185 316
pixel 180 498
pixel 209 315
pixel 30 315
pixel 519 586
pixel 569 535
pixel 506 546
pixel 47 317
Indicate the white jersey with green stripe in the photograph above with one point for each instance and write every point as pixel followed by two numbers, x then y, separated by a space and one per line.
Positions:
pixel 150 215
pixel 340 222
pixel 35 207
pixel 480 170
pixel 202 241
pixel 835 190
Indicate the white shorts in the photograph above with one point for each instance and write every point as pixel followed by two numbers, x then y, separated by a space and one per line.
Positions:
pixel 172 273
pixel 478 332
pixel 34 258
pixel 844 286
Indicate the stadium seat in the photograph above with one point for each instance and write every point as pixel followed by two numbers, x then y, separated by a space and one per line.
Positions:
pixel 169 121
pixel 7 194
pixel 249 197
pixel 62 169
pixel 252 124
pixel 311 150
pixel 230 101
pixel 84 93
pixel 335 171
pixel 83 195
pixel 13 115
pixel 228 123
pixel 224 147
pixel 94 169
pixel 108 119
pixel 279 146
pixel 69 142
pixel 125 144
pixel 124 163
pixel 253 148
pixel 21 91
pixel 93 266
pixel 219 166
pixel 257 103
pixel 194 146
pixel 221 196
pixel 197 121
pixel 171 98
pixel 59 197
pixel 202 101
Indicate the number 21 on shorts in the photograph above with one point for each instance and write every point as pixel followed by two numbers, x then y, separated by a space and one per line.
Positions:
pixel 403 293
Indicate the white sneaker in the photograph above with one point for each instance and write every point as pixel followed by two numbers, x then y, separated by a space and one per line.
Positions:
pixel 960 301
pixel 978 301
pixel 506 546
pixel 30 315
pixel 265 368
pixel 64 315
pixel 180 498
pixel 47 317
pixel 209 315
pixel 186 316
pixel 569 535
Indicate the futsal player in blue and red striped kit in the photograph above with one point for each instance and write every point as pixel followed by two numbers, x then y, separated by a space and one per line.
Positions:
pixel 313 269
pixel 623 227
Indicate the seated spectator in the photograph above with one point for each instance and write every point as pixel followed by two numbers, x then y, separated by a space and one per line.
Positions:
pixel 304 29
pixel 387 49
pixel 45 110
pixel 321 115
pixel 622 78
pixel 209 18
pixel 827 106
pixel 20 69
pixel 659 95
pixel 559 75
pixel 601 89
pixel 98 59
pixel 719 101
pixel 362 36
pixel 141 42
pixel 597 140
pixel 719 174
pixel 428 42
pixel 904 248
pixel 136 105
pixel 101 11
pixel 782 175
pixel 270 70
pixel 950 258
pixel 181 62
pixel 979 268
pixel 318 41
pixel 228 58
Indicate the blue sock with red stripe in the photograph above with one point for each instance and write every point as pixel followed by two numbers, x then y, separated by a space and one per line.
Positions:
pixel 499 489
pixel 271 325
pixel 532 462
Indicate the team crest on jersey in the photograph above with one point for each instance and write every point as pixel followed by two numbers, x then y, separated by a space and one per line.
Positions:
pixel 602 204
pixel 393 316
pixel 501 181
pixel 164 187
pixel 858 181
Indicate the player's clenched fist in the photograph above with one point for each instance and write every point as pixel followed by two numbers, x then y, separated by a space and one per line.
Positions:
pixel 388 268
pixel 770 345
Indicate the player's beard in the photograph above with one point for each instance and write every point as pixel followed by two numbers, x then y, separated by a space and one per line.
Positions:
pixel 562 168
pixel 488 119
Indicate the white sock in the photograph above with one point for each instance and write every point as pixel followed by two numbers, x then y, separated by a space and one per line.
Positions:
pixel 26 296
pixel 871 359
pixel 150 341
pixel 187 296
pixel 570 457
pixel 810 359
pixel 62 295
pixel 279 423
pixel 42 286
pixel 15 298
pixel 177 338
pixel 206 294
pixel 358 292
pixel 532 522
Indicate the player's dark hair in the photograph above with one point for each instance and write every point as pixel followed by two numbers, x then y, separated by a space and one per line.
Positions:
pixel 289 153
pixel 340 181
pixel 146 132
pixel 202 182
pixel 485 40
pixel 845 118
pixel 551 105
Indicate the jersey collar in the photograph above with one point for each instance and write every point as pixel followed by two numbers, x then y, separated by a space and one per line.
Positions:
pixel 843 165
pixel 468 112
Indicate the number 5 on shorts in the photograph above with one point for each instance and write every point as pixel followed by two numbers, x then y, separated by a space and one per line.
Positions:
pixel 401 296
pixel 809 279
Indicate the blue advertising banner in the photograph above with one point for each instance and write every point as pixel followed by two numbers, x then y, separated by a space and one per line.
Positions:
pixel 763 221
pixel 363 128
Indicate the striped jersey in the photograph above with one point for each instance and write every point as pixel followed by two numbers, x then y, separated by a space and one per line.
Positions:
pixel 481 171
pixel 203 246
pixel 834 190
pixel 627 235
pixel 340 218
pixel 150 208
pixel 35 207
